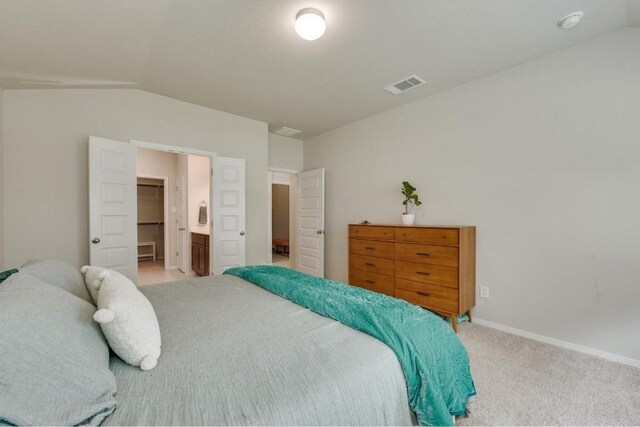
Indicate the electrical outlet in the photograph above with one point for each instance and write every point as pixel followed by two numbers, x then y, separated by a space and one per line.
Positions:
pixel 484 292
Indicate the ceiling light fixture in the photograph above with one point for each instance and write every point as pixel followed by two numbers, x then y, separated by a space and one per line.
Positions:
pixel 571 20
pixel 310 24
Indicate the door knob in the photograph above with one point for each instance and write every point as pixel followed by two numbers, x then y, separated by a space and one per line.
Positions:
pixel 242 233
pixel 95 240
pixel 181 229
pixel 320 232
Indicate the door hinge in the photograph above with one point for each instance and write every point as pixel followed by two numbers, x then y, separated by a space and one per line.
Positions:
pixel 211 171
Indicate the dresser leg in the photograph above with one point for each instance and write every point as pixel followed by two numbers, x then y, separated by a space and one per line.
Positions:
pixel 469 315
pixel 454 323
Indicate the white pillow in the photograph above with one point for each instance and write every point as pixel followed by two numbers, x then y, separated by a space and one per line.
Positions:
pixel 92 279
pixel 127 320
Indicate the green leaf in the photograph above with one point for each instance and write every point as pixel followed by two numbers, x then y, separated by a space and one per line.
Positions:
pixel 411 199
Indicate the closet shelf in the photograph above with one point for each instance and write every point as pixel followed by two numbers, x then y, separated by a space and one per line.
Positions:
pixel 150 222
pixel 151 185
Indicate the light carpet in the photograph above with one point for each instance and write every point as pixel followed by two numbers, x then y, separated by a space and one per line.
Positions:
pixel 525 382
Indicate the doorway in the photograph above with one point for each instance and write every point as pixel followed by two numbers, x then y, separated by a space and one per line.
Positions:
pixel 152 223
pixel 304 248
pixel 113 208
pixel 280 221
pixel 281 186
pixel 173 206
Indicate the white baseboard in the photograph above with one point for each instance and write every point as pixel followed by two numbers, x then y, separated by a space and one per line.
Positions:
pixel 560 343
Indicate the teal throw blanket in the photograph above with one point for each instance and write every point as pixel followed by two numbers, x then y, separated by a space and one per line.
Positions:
pixel 434 361
pixel 4 275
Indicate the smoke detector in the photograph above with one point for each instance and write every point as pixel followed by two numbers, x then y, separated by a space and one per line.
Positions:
pixel 285 131
pixel 571 20
pixel 404 85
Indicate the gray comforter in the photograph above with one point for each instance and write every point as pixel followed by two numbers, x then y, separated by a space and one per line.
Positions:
pixel 233 353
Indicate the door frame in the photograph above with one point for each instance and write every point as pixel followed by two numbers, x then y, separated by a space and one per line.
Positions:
pixel 165 180
pixel 193 151
pixel 293 212
pixel 185 210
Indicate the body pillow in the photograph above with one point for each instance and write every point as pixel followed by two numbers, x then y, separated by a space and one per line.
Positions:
pixel 93 277
pixel 127 320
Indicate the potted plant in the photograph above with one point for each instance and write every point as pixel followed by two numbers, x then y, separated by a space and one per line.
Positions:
pixel 410 200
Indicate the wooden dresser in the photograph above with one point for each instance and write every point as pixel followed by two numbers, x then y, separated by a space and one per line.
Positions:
pixel 430 266
pixel 200 254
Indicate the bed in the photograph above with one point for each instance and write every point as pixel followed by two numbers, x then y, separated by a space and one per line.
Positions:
pixel 236 354
pixel 233 353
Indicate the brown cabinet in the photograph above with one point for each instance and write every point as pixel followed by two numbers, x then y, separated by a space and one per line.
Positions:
pixel 200 254
pixel 433 267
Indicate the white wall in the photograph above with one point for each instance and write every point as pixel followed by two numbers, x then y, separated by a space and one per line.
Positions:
pixel 544 159
pixel 285 153
pixel 199 176
pixel 634 12
pixel 45 161
pixel 162 163
pixel 2 264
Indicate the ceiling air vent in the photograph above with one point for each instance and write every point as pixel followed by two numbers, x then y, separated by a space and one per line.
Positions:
pixel 404 85
pixel 285 131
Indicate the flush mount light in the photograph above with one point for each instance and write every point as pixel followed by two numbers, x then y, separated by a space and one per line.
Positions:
pixel 310 24
pixel 571 20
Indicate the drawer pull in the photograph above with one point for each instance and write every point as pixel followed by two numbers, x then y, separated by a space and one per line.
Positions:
pixel 369 264
pixel 423 253
pixel 424 273
pixel 370 248
pixel 424 294
pixel 371 282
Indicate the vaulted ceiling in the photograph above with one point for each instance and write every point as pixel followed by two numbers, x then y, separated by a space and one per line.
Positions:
pixel 243 56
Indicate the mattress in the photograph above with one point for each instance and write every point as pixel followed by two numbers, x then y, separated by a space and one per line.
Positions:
pixel 234 353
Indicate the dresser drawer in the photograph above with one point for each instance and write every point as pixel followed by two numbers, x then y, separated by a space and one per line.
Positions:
pixel 426 273
pixel 371 248
pixel 383 266
pixel 372 232
pixel 372 281
pixel 439 298
pixel 429 254
pixel 444 236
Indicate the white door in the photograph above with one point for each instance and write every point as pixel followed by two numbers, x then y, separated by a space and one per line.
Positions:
pixel 228 213
pixel 310 222
pixel 181 222
pixel 113 231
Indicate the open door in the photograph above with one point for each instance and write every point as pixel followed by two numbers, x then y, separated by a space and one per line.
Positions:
pixel 113 206
pixel 228 213
pixel 310 222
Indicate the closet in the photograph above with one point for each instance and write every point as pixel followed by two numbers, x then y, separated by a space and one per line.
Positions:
pixel 150 219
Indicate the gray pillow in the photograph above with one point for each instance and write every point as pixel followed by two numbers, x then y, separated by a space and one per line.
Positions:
pixel 60 274
pixel 54 360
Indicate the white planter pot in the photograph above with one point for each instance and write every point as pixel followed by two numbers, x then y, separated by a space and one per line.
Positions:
pixel 408 219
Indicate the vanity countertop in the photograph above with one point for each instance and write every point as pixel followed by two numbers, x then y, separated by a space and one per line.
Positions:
pixel 200 230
